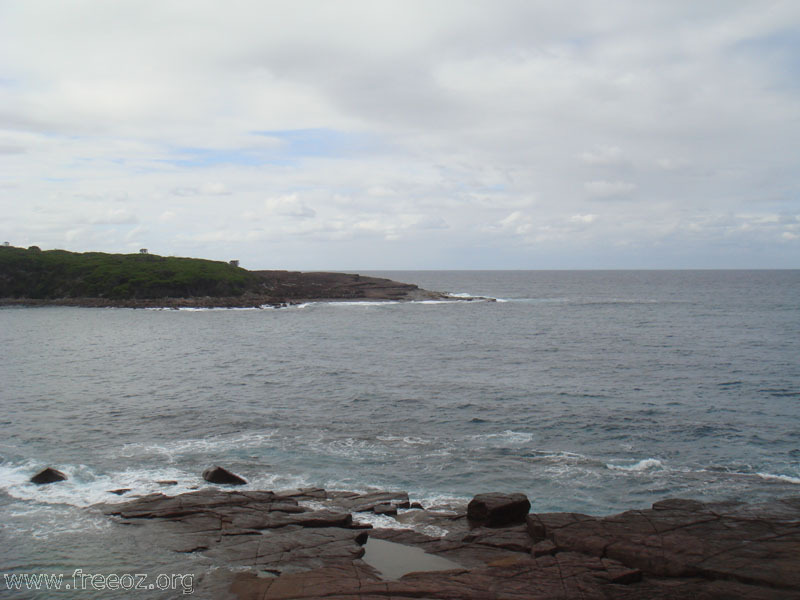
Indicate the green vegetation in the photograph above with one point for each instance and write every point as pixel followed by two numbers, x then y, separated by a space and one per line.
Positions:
pixel 52 274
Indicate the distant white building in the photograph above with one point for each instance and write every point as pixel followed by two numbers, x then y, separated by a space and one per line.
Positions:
pixel 235 263
pixel 6 244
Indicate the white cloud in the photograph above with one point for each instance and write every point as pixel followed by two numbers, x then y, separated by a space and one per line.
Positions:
pixel 288 206
pixel 114 216
pixel 583 219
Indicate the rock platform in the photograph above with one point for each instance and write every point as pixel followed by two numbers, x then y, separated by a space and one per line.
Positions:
pixel 309 544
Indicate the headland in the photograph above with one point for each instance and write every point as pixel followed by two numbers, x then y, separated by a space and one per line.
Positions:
pixel 32 277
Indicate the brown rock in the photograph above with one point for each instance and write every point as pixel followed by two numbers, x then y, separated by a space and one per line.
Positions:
pixel 498 509
pixel 48 475
pixel 543 548
pixel 222 476
pixel 752 544
pixel 385 509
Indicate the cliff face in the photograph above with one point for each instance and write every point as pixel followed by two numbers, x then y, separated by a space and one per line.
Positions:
pixel 34 277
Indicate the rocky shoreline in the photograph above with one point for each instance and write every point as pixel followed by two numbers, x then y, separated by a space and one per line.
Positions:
pixel 277 289
pixel 314 543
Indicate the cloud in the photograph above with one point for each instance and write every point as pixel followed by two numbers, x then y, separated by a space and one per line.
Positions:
pixel 583 219
pixel 114 216
pixel 288 206
pixel 608 189
pixel 455 125
pixel 207 189
pixel 606 155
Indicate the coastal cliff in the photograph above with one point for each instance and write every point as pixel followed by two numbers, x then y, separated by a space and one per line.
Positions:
pixel 33 277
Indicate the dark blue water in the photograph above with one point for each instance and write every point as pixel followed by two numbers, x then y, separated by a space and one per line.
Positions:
pixel 588 391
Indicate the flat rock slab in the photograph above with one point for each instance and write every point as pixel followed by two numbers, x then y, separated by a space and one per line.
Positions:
pixel 754 544
pixel 567 576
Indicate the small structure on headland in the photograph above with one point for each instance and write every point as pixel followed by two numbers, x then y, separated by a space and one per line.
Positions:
pixel 142 250
pixel 234 263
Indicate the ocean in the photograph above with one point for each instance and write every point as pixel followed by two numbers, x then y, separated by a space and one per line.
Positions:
pixel 589 391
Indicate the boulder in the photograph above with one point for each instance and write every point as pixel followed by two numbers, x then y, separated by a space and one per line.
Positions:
pixel 48 475
pixel 497 509
pixel 222 476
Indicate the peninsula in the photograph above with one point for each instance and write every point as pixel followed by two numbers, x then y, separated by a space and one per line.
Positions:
pixel 33 277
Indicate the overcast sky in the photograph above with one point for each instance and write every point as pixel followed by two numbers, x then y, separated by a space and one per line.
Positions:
pixel 405 135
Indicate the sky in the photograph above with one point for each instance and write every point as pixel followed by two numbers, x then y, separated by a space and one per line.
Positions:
pixel 377 134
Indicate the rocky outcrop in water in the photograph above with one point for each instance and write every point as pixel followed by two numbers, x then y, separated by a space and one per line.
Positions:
pixel 220 476
pixel 306 544
pixel 48 475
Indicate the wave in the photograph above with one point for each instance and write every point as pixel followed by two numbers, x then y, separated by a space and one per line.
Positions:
pixel 215 444
pixel 784 478
pixel 504 438
pixel 647 464
pixel 408 440
pixel 84 487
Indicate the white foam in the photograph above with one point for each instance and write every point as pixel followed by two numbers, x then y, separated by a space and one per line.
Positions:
pixel 506 437
pixel 387 522
pixel 784 478
pixel 84 487
pixel 444 503
pixel 561 456
pixel 294 306
pixel 215 444
pixel 43 521
pixel 366 303
pixel 352 447
pixel 410 440
pixel 214 308
pixel 647 464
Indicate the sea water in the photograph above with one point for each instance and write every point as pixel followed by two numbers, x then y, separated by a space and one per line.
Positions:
pixel 588 391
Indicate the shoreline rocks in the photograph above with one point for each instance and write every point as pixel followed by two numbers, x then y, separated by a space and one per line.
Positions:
pixel 308 544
